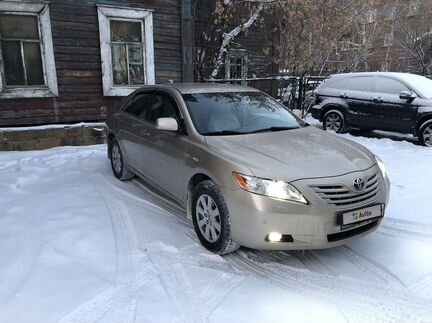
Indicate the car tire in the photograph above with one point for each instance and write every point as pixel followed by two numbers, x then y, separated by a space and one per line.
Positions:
pixel 334 120
pixel 211 219
pixel 425 133
pixel 118 166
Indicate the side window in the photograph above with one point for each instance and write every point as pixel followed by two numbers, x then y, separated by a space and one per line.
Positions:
pixel 360 84
pixel 162 107
pixel 340 84
pixel 139 105
pixel 389 86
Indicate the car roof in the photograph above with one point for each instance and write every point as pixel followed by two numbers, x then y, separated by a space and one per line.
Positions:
pixel 191 88
pixel 396 75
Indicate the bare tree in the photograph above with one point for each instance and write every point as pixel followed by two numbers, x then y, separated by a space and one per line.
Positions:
pixel 309 34
pixel 325 36
pixel 412 21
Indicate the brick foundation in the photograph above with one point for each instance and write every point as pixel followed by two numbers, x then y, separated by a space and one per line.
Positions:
pixel 43 138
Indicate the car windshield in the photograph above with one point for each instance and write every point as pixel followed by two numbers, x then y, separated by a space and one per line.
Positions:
pixel 236 113
pixel 421 84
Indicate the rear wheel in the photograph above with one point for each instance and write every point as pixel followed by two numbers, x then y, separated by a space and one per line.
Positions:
pixel 118 166
pixel 211 218
pixel 425 133
pixel 334 120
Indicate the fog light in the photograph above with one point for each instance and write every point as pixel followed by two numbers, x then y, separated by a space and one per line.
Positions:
pixel 274 237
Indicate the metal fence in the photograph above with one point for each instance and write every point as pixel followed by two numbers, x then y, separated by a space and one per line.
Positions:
pixel 293 92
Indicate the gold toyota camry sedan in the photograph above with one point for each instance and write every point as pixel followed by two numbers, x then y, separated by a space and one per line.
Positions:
pixel 248 171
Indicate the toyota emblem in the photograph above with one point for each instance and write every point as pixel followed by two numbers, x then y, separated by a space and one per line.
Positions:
pixel 358 184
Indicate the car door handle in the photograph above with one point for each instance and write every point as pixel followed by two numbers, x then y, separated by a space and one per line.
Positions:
pixel 343 95
pixel 377 99
pixel 145 132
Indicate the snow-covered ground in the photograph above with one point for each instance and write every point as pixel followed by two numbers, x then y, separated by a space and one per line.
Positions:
pixel 77 245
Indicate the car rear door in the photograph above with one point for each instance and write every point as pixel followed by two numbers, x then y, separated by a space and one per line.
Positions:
pixel 359 96
pixel 133 127
pixel 390 112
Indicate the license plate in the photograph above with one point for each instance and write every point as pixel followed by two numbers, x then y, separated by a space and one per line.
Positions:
pixel 362 215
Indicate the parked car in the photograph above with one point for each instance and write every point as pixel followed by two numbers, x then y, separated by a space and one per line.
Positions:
pixel 247 170
pixel 376 101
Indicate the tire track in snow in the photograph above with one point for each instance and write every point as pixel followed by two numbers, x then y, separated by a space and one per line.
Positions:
pixel 117 303
pixel 222 287
pixel 365 264
pixel 406 230
pixel 149 199
pixel 369 301
pixel 423 287
pixel 177 286
pixel 201 259
pixel 186 299
pixel 311 261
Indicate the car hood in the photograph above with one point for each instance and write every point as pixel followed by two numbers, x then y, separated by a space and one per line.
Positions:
pixel 294 154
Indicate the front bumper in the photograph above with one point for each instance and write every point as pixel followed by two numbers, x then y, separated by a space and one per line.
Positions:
pixel 313 226
pixel 315 111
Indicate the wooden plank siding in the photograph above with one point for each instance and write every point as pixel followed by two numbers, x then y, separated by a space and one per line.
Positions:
pixel 75 32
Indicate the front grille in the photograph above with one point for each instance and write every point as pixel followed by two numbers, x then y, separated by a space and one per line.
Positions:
pixel 351 233
pixel 340 195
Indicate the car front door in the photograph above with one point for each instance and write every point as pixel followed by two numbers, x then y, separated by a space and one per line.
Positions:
pixel 163 157
pixel 359 95
pixel 392 113
pixel 134 128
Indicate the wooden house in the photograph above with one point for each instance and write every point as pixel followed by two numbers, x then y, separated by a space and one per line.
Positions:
pixel 64 61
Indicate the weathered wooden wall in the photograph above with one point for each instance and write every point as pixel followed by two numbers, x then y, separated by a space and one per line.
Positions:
pixel 75 32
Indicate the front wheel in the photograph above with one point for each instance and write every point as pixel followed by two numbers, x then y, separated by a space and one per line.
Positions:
pixel 425 133
pixel 334 120
pixel 211 219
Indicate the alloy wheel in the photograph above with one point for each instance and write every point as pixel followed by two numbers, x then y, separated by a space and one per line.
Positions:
pixel 117 159
pixel 208 218
pixel 333 122
pixel 427 135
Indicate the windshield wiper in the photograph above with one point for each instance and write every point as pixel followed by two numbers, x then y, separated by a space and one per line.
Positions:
pixel 223 133
pixel 272 129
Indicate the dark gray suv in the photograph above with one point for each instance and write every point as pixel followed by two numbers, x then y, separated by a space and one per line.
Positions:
pixel 376 101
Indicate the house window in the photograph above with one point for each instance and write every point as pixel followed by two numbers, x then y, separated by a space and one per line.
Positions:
pixel 27 66
pixel 388 40
pixel 346 44
pixel 371 16
pixel 236 65
pixel 126 40
pixel 414 7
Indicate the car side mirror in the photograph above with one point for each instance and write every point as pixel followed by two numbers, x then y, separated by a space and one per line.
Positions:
pixel 167 124
pixel 407 95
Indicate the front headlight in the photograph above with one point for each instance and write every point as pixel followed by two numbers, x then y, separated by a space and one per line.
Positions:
pixel 381 166
pixel 268 187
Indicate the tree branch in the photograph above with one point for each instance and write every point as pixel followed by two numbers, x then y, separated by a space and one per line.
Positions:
pixel 229 37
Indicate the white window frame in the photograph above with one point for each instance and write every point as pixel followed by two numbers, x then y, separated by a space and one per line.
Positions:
pixel 107 12
pixel 50 89
pixel 414 7
pixel 244 68
pixel 388 39
pixel 371 16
